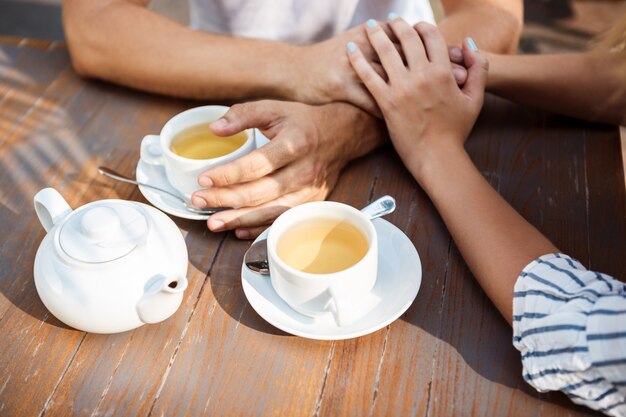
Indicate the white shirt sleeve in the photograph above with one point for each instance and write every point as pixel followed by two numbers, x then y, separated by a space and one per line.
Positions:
pixel 570 326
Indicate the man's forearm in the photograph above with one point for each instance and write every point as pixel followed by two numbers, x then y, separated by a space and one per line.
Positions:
pixel 493 27
pixel 128 44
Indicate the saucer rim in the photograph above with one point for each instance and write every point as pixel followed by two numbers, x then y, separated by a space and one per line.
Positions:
pixel 147 193
pixel 348 334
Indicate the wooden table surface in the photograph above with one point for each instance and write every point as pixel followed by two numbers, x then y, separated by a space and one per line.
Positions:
pixel 450 354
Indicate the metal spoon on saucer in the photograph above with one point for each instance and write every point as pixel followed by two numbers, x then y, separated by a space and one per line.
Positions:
pixel 256 256
pixel 108 172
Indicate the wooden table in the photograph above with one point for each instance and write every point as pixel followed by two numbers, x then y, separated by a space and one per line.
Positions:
pixel 450 354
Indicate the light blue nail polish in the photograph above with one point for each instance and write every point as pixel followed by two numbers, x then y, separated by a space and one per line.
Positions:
pixel 371 23
pixel 351 47
pixel 392 16
pixel 472 44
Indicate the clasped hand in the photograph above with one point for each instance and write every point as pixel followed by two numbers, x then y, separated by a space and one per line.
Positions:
pixel 309 144
pixel 425 110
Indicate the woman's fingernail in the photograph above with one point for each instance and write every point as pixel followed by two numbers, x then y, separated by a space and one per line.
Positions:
pixel 392 16
pixel 351 47
pixel 198 202
pixel 206 182
pixel 472 44
pixel 220 123
pixel 243 234
pixel 371 23
pixel 217 225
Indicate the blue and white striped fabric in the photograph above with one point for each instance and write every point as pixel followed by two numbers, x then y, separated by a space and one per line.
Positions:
pixel 570 326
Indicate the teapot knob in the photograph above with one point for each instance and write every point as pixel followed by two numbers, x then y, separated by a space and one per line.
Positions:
pixel 100 223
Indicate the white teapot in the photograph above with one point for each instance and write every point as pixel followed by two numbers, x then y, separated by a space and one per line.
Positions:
pixel 110 265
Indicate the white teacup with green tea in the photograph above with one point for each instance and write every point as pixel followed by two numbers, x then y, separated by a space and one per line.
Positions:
pixel 323 259
pixel 187 147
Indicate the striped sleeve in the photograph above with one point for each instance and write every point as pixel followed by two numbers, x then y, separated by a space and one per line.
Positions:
pixel 570 326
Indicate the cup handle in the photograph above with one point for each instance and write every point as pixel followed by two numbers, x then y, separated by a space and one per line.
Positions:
pixel 151 152
pixel 342 307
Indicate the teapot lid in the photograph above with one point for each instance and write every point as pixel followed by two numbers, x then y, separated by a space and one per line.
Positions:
pixel 103 231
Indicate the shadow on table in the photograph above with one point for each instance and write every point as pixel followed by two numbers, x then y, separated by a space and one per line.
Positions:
pixel 470 328
pixel 484 345
pixel 224 273
pixel 21 291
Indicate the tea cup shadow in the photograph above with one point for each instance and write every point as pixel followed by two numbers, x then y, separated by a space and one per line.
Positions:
pixel 457 327
pixel 223 272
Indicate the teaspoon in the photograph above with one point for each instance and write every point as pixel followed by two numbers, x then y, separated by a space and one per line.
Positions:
pixel 256 256
pixel 108 172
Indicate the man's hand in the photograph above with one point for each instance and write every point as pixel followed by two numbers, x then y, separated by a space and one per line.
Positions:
pixel 309 145
pixel 325 74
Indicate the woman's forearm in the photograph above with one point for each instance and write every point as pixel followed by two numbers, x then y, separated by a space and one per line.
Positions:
pixel 124 42
pixel 495 241
pixel 587 85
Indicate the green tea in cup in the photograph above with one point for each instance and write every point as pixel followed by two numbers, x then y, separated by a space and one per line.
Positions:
pixel 322 245
pixel 199 142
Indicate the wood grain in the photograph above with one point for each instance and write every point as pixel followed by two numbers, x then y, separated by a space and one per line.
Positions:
pixel 449 354
pixel 35 347
pixel 543 179
pixel 406 374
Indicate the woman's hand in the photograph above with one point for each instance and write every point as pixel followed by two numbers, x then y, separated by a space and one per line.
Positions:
pixel 324 75
pixel 429 117
pixel 423 106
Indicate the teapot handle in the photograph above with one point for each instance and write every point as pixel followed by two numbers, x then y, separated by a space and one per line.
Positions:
pixel 51 207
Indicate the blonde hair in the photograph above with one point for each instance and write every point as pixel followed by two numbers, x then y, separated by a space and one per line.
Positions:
pixel 613 41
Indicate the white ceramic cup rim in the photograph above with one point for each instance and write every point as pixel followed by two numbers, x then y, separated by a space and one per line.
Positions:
pixel 171 128
pixel 272 239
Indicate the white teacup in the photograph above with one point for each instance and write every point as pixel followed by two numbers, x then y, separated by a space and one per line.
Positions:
pixel 316 295
pixel 182 173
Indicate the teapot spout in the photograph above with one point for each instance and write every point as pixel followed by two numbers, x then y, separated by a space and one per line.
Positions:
pixel 162 299
pixel 175 285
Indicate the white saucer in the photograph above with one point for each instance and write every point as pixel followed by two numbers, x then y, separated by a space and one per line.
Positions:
pixel 155 175
pixel 399 279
